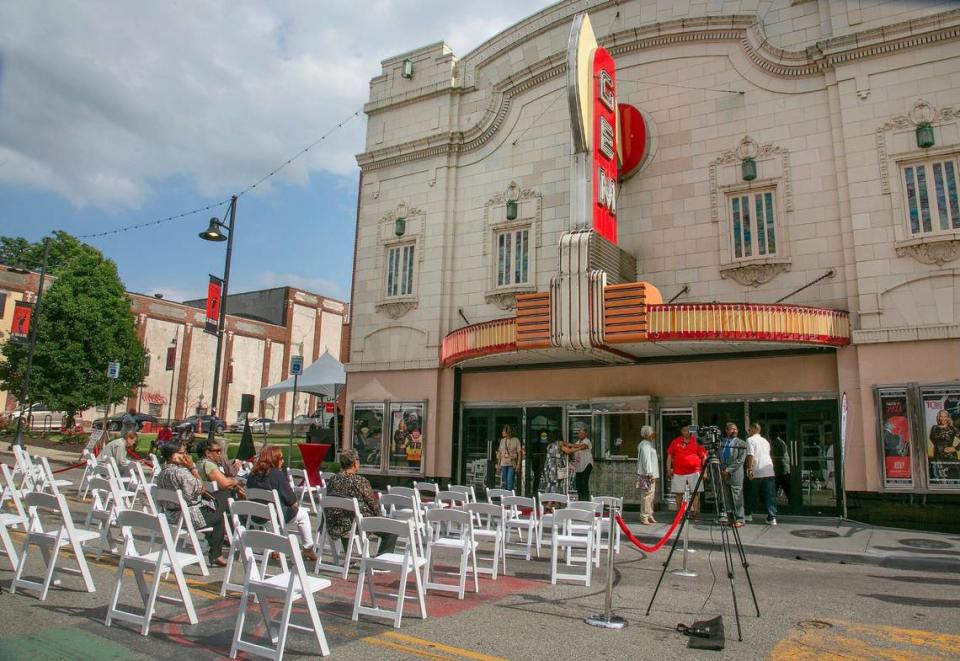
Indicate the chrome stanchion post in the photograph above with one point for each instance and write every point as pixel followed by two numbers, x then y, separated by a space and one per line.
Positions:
pixel 684 571
pixel 607 619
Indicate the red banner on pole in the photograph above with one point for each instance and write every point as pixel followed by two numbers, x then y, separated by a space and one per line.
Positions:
pixel 171 358
pixel 214 293
pixel 20 329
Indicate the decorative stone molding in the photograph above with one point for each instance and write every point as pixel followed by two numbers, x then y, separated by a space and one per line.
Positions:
pixel 756 274
pixel 744 29
pixel 922 111
pixel 507 300
pixel 498 201
pixel 396 309
pixel 937 251
pixel 749 148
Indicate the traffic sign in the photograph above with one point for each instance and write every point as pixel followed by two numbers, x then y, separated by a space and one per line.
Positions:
pixel 113 370
pixel 296 365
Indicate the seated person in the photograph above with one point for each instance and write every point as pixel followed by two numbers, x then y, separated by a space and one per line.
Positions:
pixel 268 474
pixel 347 484
pixel 211 469
pixel 179 474
pixel 165 435
pixel 118 447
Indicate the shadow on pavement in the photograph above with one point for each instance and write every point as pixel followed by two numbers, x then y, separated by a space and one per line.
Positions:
pixel 922 602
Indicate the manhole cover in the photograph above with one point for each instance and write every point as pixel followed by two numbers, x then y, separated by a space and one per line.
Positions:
pixel 814 624
pixel 919 543
pixel 813 533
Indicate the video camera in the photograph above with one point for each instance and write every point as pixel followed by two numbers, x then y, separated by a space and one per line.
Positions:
pixel 708 435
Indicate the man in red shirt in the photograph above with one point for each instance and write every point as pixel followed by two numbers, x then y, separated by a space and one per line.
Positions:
pixel 684 461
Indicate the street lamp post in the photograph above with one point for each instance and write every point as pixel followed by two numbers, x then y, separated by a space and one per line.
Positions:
pixel 25 389
pixel 214 233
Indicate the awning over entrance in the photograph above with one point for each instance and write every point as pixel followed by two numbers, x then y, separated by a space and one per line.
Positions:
pixel 627 327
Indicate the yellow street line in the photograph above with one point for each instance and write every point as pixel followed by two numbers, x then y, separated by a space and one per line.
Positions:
pixel 439 647
pixel 403 648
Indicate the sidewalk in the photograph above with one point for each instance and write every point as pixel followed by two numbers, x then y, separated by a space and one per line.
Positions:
pixel 821 539
pixel 802 538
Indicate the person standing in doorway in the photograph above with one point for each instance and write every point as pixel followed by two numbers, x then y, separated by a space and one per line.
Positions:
pixel 508 457
pixel 648 472
pixel 684 462
pixel 780 455
pixel 538 455
pixel 733 454
pixel 760 471
pixel 582 451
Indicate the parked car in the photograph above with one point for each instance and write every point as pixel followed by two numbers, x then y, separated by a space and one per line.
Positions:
pixel 219 425
pixel 116 422
pixel 257 425
pixel 39 416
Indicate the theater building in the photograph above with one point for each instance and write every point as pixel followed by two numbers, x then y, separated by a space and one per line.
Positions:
pixel 623 213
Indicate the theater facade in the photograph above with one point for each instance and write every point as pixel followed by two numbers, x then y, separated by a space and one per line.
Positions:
pixel 611 215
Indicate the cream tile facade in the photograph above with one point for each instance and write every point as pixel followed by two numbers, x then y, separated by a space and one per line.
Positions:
pixel 828 95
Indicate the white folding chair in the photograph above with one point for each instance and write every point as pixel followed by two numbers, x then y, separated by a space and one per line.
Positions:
pixel 147 560
pixel 496 496
pixel 427 490
pixel 90 461
pixel 608 503
pixel 290 586
pixel 105 505
pixel 451 530
pixel 47 480
pixel 44 508
pixel 403 508
pixel 595 509
pixel 29 473
pixel 13 515
pixel 172 504
pixel 490 528
pixel 325 540
pixel 248 515
pixel 521 516
pixel 402 563
pixel 300 482
pixel 573 528
pixel 154 467
pixel 548 503
pixel 467 491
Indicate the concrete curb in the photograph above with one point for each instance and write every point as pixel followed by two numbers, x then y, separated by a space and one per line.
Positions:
pixel 885 560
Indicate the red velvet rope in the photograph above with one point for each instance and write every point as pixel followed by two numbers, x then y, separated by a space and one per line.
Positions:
pixel 656 547
pixel 69 468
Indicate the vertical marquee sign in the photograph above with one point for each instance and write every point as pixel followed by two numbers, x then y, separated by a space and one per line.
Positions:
pixel 605 153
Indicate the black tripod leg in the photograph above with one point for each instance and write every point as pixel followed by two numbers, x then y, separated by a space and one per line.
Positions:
pixel 746 568
pixel 673 547
pixel 728 561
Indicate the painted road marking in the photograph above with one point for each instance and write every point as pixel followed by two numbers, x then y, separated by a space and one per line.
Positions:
pixel 427 649
pixel 814 640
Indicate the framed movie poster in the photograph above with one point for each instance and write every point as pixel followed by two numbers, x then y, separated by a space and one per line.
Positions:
pixel 895 438
pixel 941 424
pixel 406 437
pixel 367 425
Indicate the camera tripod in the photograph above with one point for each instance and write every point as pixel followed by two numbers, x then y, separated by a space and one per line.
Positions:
pixel 722 517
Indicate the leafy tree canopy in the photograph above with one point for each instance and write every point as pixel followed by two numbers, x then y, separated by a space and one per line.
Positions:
pixel 19 252
pixel 85 322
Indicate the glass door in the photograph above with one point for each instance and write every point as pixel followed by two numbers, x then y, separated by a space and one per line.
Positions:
pixel 481 437
pixel 815 449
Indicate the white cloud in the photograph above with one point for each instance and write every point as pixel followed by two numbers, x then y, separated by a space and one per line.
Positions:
pixel 99 99
pixel 325 286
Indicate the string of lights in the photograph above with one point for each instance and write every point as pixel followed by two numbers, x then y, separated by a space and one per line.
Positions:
pixel 214 205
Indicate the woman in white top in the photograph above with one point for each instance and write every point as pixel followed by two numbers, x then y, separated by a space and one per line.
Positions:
pixel 508 457
pixel 648 472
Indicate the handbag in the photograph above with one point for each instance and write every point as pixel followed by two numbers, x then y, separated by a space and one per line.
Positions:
pixel 562 473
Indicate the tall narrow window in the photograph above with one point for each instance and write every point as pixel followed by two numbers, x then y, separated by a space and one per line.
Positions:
pixel 513 254
pixel 399 274
pixel 753 225
pixel 930 190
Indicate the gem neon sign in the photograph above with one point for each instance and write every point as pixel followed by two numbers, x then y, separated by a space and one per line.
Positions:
pixel 597 124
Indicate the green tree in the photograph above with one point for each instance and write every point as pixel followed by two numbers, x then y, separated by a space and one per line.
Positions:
pixel 17 251
pixel 85 322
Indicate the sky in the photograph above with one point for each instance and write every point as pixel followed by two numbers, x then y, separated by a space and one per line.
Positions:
pixel 115 113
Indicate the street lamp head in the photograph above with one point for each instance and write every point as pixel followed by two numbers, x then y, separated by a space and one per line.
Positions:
pixel 213 233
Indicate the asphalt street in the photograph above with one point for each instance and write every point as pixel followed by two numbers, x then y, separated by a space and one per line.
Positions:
pixel 808 610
